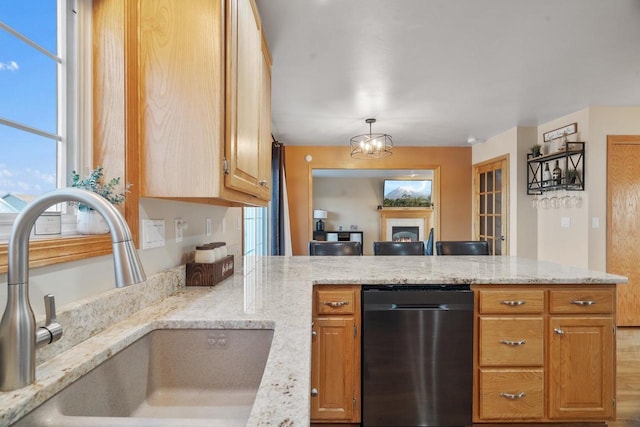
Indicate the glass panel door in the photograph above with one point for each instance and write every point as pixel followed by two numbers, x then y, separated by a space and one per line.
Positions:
pixel 490 203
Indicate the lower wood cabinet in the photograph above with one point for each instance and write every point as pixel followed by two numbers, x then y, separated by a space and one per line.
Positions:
pixel 335 355
pixel 545 354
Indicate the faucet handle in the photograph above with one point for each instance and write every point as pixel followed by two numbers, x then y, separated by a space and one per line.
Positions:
pixel 52 330
pixel 50 308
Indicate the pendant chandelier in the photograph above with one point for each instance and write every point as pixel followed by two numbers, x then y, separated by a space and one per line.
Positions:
pixel 371 145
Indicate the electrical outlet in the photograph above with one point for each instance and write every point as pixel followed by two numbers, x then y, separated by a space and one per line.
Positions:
pixel 178 227
pixel 209 226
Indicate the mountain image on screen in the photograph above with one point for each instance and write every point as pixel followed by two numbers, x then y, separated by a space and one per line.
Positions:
pixel 410 193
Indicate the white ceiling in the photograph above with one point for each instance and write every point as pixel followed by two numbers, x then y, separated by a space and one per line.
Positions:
pixel 437 72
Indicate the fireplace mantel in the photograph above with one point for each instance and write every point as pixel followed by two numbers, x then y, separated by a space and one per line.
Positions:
pixel 422 217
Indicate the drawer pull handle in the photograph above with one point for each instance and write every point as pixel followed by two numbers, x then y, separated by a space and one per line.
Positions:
pixel 579 302
pixel 513 396
pixel 513 303
pixel 335 304
pixel 508 342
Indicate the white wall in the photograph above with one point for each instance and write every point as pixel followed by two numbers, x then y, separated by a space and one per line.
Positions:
pixel 515 143
pixel 73 281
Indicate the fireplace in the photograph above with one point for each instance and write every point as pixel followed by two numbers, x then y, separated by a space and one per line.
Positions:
pixel 402 224
pixel 401 233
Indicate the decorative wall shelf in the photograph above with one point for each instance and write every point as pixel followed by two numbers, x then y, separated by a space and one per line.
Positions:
pixel 571 162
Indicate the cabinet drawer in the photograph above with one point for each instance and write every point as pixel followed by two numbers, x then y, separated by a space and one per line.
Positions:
pixel 511 302
pixel 336 301
pixel 581 301
pixel 511 341
pixel 511 394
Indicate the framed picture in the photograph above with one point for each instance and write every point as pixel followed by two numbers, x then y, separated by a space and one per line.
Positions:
pixel 557 133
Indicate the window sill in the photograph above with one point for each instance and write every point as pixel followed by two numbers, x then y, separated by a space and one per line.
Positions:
pixel 61 249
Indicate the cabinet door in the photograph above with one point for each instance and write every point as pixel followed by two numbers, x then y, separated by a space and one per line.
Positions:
pixel 181 97
pixel 264 170
pixel 244 49
pixel 581 352
pixel 333 369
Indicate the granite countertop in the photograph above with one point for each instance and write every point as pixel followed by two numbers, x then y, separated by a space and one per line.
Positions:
pixel 276 293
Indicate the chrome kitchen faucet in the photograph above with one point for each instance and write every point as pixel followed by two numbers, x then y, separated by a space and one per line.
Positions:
pixel 18 336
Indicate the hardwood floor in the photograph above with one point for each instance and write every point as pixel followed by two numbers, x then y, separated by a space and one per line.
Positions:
pixel 628 377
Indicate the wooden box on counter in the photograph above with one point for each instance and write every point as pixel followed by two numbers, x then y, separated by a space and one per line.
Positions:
pixel 209 274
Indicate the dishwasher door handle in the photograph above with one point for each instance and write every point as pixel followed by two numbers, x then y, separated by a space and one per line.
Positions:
pixel 419 307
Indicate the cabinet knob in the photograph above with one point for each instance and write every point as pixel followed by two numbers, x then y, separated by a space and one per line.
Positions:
pixel 263 183
pixel 314 392
pixel 558 331
pixel 314 333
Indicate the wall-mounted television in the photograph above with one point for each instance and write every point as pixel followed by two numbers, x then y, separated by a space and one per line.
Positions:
pixel 407 193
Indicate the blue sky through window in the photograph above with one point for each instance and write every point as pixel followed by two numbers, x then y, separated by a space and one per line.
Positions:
pixel 28 95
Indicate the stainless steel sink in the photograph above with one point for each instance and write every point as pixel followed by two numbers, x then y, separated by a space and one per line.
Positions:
pixel 170 377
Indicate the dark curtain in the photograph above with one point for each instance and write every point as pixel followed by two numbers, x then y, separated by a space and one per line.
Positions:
pixel 277 203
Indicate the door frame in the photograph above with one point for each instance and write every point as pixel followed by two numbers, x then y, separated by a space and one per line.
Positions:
pixel 506 208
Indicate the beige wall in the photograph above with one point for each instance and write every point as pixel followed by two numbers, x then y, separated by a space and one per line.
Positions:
pixel 603 121
pixel 515 143
pixel 581 244
pixel 555 243
pixel 350 201
pixel 73 281
pixel 453 164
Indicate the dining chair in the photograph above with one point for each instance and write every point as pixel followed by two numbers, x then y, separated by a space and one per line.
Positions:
pixel 321 248
pixel 463 247
pixel 398 248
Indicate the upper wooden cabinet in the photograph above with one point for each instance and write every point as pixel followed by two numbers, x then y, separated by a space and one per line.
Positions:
pixel 202 111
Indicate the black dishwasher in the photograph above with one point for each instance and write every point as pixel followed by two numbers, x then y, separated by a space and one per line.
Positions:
pixel 417 355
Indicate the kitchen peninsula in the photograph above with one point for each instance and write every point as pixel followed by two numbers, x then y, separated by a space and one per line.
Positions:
pixel 276 293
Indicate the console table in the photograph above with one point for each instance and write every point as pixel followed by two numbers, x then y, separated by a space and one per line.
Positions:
pixel 339 236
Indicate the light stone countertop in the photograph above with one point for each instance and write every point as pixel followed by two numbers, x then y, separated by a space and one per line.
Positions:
pixel 272 293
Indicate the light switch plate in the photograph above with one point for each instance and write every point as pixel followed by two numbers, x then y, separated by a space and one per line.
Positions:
pixel 595 222
pixel 209 226
pixel 152 233
pixel 178 229
pixel 565 222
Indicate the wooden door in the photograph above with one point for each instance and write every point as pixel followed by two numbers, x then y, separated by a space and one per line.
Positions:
pixel 332 369
pixel 491 200
pixel 623 227
pixel 581 368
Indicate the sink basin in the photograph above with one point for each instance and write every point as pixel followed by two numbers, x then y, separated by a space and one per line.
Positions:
pixel 169 377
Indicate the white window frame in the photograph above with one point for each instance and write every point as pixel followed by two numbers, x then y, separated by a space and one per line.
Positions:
pixel 255 231
pixel 74 91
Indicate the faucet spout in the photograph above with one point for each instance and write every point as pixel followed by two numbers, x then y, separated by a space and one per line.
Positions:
pixel 18 326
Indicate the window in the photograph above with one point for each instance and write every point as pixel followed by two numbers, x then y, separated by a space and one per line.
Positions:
pixel 255 231
pixel 38 110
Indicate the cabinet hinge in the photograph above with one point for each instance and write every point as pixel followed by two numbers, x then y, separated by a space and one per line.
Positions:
pixel 614 331
pixel 614 403
pixel 355 331
pixel 355 404
pixel 225 166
